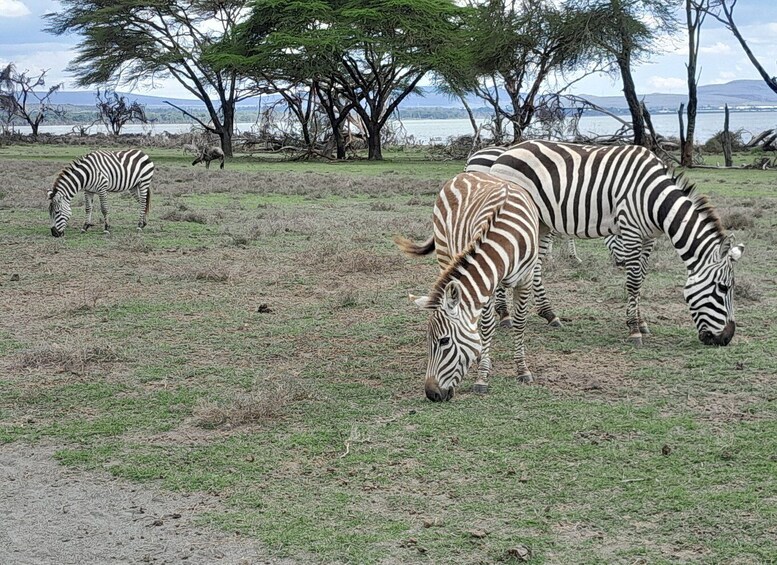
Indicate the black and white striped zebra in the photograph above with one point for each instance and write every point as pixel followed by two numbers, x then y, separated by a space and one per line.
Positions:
pixel 481 161
pixel 100 172
pixel 595 191
pixel 485 234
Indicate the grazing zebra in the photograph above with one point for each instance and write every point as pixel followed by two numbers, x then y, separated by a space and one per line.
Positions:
pixel 593 191
pixel 100 172
pixel 208 154
pixel 485 234
pixel 481 161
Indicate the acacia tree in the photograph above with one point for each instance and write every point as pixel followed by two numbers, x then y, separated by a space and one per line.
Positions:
pixel 20 99
pixel 129 41
pixel 115 111
pixel 518 46
pixel 370 54
pixel 723 11
pixel 626 32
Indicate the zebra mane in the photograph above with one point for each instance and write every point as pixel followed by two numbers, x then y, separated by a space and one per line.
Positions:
pixel 54 190
pixel 701 203
pixel 453 269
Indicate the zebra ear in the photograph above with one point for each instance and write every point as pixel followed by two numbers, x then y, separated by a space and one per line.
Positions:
pixel 420 301
pixel 452 296
pixel 725 245
pixel 736 252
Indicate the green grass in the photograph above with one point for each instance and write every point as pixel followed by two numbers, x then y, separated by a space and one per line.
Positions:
pixel 283 307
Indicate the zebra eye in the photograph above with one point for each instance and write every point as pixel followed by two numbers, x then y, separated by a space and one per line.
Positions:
pixel 444 340
pixel 722 288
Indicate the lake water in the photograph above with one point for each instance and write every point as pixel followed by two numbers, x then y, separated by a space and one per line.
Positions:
pixel 707 125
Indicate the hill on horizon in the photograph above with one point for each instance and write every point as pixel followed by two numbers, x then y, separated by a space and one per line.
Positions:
pixel 737 93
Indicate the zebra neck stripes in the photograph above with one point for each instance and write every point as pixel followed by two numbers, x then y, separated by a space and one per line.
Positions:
pixel 690 223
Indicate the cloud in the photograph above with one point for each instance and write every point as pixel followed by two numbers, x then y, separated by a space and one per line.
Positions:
pixel 717 48
pixel 13 9
pixel 668 84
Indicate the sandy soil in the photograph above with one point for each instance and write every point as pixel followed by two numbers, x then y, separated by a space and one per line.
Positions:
pixel 50 514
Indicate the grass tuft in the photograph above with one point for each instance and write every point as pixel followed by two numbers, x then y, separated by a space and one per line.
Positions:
pixel 241 408
pixel 66 359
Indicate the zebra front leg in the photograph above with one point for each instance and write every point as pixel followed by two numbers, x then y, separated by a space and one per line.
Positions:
pixel 521 295
pixel 88 205
pixel 500 305
pixel 634 276
pixel 487 329
pixel 544 308
pixel 644 257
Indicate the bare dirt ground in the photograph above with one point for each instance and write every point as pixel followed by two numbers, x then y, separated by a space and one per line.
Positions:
pixel 50 514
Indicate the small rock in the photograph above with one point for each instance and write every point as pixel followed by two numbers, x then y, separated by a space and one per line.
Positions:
pixel 740 365
pixel 666 450
pixel 264 309
pixel 519 552
pixel 15 277
pixel 479 534
pixel 157 523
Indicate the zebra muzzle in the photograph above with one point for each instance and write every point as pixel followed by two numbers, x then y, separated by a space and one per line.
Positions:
pixel 57 233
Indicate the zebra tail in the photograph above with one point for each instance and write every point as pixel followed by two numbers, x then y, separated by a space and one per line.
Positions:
pixel 411 248
pixel 148 200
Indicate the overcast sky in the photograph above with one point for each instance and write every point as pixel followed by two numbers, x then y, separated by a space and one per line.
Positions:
pixel 721 59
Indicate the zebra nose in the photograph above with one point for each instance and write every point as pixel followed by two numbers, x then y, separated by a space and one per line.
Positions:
pixel 435 393
pixel 722 339
pixel 55 232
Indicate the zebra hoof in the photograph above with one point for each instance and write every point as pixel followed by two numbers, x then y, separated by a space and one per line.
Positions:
pixel 526 379
pixel 506 323
pixel 555 323
pixel 636 340
pixel 644 330
pixel 480 387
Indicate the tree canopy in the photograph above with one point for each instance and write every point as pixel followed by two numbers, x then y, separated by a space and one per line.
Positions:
pixel 372 55
pixel 132 41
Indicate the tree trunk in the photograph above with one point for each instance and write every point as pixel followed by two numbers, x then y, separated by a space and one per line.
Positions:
pixel 682 134
pixel 375 151
pixel 227 128
pixel 630 92
pixel 726 140
pixel 34 126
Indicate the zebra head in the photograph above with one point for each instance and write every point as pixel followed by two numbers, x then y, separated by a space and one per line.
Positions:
pixel 453 342
pixel 709 294
pixel 59 212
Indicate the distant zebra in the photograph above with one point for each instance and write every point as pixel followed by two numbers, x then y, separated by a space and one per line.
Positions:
pixel 208 154
pixel 100 172
pixel 485 234
pixel 594 191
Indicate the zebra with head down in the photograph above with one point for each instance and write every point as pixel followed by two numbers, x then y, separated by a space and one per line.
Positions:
pixel 485 235
pixel 100 172
pixel 594 191
pixel 481 161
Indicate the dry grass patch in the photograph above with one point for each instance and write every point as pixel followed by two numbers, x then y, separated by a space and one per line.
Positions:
pixel 747 290
pixel 260 405
pixel 737 220
pixel 65 359
pixel 183 214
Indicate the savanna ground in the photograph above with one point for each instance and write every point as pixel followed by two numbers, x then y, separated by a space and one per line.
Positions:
pixel 254 349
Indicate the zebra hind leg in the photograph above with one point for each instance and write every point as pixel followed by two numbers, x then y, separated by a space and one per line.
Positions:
pixel 635 275
pixel 104 210
pixel 544 308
